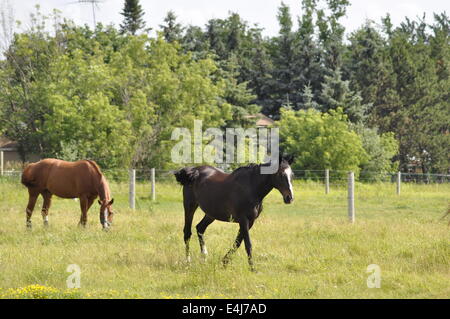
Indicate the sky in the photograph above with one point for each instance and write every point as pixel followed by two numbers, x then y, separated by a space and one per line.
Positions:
pixel 198 12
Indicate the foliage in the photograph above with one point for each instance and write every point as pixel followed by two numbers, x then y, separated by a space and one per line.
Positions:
pixel 171 30
pixel 381 150
pixel 336 93
pixel 321 140
pixel 386 78
pixel 116 109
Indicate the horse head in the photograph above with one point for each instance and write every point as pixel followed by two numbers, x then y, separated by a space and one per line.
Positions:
pixel 106 213
pixel 282 179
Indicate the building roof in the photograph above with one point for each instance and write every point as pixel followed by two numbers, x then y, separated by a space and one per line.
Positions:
pixel 261 119
pixel 7 145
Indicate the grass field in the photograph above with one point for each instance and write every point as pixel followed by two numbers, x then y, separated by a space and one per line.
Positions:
pixel 304 250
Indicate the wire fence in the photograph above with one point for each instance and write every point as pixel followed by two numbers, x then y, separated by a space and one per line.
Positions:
pixel 138 188
pixel 335 177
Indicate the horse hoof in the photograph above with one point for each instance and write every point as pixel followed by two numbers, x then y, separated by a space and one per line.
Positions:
pixel 45 224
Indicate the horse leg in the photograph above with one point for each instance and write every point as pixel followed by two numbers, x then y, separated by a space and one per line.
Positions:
pixel 88 203
pixel 244 226
pixel 46 206
pixel 201 228
pixel 84 208
pixel 236 245
pixel 33 195
pixel 190 205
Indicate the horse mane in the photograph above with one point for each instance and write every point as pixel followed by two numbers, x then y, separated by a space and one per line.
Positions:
pixel 96 167
pixel 103 185
pixel 252 167
pixel 248 168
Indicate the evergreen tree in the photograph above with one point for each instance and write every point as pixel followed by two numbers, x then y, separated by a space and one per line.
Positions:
pixel 336 93
pixel 308 67
pixel 172 30
pixel 235 29
pixel 259 72
pixel 368 67
pixel 237 95
pixel 283 57
pixel 194 40
pixel 214 31
pixel 331 32
pixel 308 99
pixel 133 17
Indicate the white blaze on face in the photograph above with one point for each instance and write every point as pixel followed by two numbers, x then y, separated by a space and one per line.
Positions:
pixel 288 172
pixel 105 214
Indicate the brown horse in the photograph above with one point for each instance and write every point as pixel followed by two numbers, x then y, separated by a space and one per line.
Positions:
pixel 235 197
pixel 81 179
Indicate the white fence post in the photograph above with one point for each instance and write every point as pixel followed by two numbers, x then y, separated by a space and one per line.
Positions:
pixel 327 181
pixel 132 194
pixel 153 185
pixel 1 163
pixel 399 182
pixel 351 197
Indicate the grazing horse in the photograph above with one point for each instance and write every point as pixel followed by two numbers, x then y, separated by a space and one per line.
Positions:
pixel 81 179
pixel 235 197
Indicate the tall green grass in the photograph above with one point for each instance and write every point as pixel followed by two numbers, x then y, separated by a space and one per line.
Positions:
pixel 304 250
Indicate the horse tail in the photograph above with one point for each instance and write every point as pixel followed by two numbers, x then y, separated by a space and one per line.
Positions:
pixel 27 178
pixel 186 176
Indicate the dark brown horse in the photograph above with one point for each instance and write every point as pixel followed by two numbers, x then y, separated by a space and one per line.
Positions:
pixel 81 179
pixel 235 197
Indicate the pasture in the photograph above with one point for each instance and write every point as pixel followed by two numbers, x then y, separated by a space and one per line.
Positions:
pixel 304 250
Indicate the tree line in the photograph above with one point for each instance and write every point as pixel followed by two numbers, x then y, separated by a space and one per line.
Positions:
pixel 376 99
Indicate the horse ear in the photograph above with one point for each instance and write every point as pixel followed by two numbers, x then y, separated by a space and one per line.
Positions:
pixel 111 202
pixel 99 202
pixel 290 159
pixel 287 158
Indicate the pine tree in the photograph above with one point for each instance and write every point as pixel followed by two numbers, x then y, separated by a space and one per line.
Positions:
pixel 172 30
pixel 336 93
pixel 259 73
pixel 308 99
pixel 308 66
pixel 237 94
pixel 365 63
pixel 235 29
pixel 133 17
pixel 283 58
pixel 214 31
pixel 194 40
pixel 331 32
